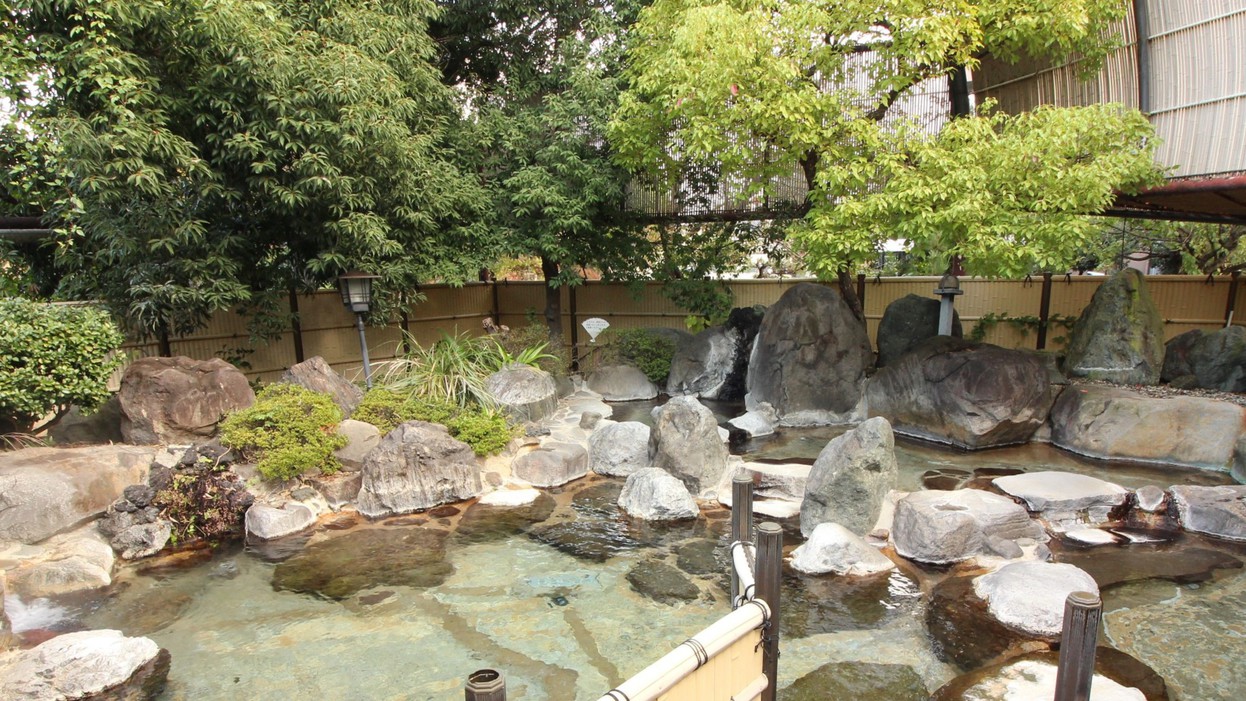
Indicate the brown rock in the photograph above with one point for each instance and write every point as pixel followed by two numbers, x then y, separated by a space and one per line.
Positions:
pixel 179 400
pixel 316 375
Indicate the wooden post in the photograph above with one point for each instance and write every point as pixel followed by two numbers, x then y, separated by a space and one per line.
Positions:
pixel 485 685
pixel 741 520
pixel 575 330
pixel 296 325
pixel 769 577
pixel 1044 311
pixel 1077 646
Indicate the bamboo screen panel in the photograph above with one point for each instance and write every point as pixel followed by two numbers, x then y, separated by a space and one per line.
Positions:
pixel 1185 302
pixel 724 675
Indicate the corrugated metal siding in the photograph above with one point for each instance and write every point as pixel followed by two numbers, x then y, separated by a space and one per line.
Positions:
pixel 1197 82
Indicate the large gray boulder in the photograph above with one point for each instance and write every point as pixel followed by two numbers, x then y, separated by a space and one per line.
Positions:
pixel 1217 511
pixel 179 400
pixel 316 374
pixel 971 395
pixel 907 322
pixel 942 527
pixel 90 664
pixel 621 383
pixel 810 358
pixel 619 449
pixel 684 441
pixel 1112 423
pixel 653 494
pixel 700 366
pixel 417 466
pixel 1119 336
pixel 850 479
pixel 1177 356
pixel 552 465
pixel 1219 360
pixel 44 491
pixel 525 393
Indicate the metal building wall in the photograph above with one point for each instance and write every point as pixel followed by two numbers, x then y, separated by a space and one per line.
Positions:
pixel 1195 84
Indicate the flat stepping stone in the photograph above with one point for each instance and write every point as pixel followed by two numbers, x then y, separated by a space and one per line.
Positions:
pixel 1064 493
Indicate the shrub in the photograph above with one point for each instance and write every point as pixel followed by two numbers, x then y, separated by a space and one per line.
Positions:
pixel 289 430
pixel 485 430
pixel 51 357
pixel 452 370
pixel 646 350
pixel 530 345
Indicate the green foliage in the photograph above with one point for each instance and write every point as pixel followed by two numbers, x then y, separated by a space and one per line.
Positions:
pixel 52 356
pixel 792 92
pixel 485 430
pixel 288 431
pixel 206 501
pixel 650 352
pixel 221 153
pixel 1173 247
pixel 1023 324
pixel 453 369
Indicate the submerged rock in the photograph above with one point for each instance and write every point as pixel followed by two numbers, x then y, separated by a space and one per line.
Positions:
pixel 343 565
pixel 820 604
pixel 850 478
pixel 484 522
pixel 1169 561
pixel 963 633
pixel 662 583
pixel 858 681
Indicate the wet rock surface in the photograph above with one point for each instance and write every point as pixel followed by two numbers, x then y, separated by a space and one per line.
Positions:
pixel 341 566
pixel 818 605
pixel 483 523
pixel 860 681
pixel 1216 511
pixel 96 664
pixel 964 633
pixel 1176 562
pixel 1030 596
pixel 662 583
pixel 831 548
pixel 941 527
pixel 1019 678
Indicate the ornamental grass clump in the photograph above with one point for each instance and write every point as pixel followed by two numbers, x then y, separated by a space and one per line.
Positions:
pixel 288 431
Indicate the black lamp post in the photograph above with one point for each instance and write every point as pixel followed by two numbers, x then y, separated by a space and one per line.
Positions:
pixel 356 289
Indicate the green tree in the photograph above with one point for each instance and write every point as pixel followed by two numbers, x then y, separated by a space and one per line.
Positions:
pixel 540 97
pixel 1173 247
pixel 224 153
pixel 760 88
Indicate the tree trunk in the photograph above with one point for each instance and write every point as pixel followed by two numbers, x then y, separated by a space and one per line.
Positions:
pixel 553 299
pixel 848 289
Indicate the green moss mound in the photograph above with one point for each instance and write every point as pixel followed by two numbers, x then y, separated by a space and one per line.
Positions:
pixel 288 431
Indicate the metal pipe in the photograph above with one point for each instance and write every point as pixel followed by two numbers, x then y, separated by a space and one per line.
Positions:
pixel 1142 50
pixel 1078 638
pixel 769 578
pixel 741 523
pixel 363 348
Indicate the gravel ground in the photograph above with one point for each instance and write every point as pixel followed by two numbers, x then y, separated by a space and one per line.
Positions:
pixel 1164 391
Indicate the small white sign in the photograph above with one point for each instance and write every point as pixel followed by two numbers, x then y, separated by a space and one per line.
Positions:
pixel 595 326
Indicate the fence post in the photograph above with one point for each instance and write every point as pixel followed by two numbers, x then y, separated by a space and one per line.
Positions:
pixel 741 521
pixel 485 685
pixel 1044 311
pixel 769 577
pixel 1231 303
pixel 1077 646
